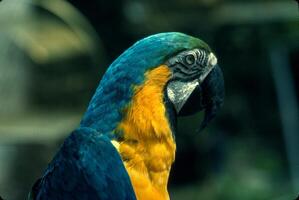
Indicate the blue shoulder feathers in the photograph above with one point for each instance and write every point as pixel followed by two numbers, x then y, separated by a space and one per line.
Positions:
pixel 86 167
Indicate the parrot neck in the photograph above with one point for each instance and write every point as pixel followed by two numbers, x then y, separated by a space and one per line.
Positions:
pixel 147 146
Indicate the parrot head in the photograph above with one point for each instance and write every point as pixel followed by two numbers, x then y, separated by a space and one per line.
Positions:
pixel 196 84
pixel 193 82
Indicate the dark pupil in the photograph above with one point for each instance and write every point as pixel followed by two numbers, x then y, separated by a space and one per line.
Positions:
pixel 190 59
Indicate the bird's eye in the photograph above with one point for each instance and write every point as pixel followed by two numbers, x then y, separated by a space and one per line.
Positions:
pixel 190 59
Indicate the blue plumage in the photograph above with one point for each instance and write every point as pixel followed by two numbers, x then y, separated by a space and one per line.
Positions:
pixel 86 167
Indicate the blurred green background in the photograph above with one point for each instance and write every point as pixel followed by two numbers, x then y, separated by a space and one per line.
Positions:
pixel 54 52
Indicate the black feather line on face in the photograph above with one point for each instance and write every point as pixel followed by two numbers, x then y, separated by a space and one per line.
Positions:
pixel 182 66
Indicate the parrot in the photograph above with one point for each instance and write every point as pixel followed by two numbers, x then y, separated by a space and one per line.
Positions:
pixel 124 146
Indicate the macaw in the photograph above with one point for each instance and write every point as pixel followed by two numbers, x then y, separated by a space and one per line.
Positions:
pixel 124 147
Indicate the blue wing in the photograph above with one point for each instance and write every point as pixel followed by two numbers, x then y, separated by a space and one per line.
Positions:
pixel 86 167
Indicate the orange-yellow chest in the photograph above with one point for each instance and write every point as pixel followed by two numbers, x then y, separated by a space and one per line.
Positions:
pixel 148 148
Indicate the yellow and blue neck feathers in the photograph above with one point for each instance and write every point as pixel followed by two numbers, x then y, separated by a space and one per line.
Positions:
pixel 147 146
pixel 145 116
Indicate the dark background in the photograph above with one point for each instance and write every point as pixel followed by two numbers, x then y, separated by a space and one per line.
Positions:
pixel 53 54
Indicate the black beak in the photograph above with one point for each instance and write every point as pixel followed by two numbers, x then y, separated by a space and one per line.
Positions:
pixel 208 96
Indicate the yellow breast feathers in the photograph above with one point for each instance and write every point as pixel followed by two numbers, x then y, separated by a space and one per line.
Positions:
pixel 148 148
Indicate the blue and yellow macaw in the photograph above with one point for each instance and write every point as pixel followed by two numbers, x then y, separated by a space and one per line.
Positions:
pixel 125 145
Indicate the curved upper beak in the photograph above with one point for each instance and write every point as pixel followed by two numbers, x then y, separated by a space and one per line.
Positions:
pixel 212 95
pixel 207 96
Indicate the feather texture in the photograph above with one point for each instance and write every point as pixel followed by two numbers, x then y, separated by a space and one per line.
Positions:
pixel 86 167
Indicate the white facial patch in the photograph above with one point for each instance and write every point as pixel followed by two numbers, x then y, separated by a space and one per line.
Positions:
pixel 178 92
